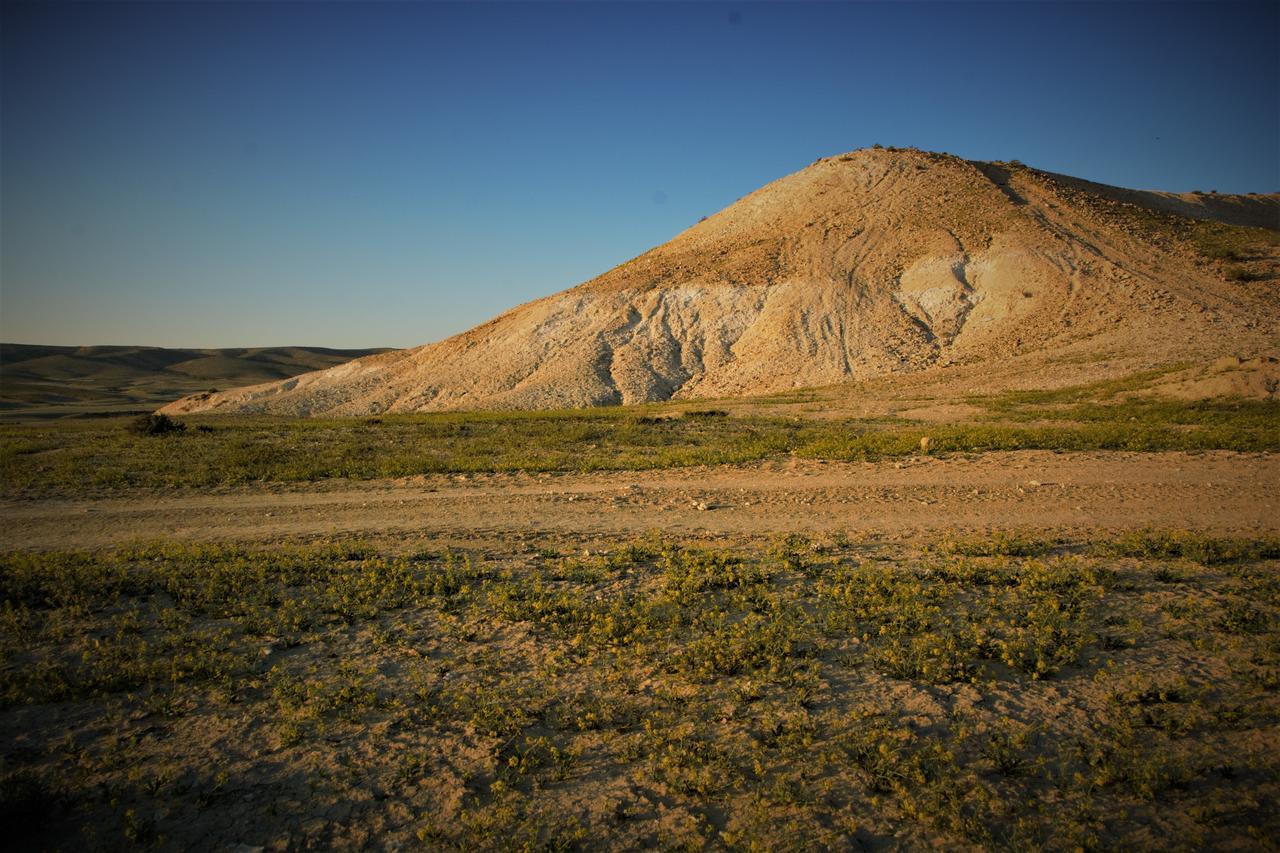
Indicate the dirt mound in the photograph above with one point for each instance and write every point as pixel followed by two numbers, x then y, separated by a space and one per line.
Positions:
pixel 1229 376
pixel 869 264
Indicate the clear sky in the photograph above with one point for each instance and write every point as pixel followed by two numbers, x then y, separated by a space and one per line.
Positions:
pixel 367 174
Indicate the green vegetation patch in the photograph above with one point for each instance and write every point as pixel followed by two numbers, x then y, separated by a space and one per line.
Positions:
pixel 1119 433
pixel 75 458
pixel 68 457
pixel 1006 692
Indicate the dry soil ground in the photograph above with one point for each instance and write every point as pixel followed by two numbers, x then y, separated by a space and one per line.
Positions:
pixel 1077 494
pixel 971 652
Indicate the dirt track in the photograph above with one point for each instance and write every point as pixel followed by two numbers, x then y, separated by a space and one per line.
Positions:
pixel 1074 493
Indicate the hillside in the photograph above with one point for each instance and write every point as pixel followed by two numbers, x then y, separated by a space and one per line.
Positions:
pixel 874 264
pixel 52 380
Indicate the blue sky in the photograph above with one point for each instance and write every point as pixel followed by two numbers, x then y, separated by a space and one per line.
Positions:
pixel 368 174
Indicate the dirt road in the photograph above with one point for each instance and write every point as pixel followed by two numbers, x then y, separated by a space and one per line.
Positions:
pixel 1078 493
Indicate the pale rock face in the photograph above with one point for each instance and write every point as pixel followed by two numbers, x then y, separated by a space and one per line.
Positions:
pixel 872 263
pixel 935 291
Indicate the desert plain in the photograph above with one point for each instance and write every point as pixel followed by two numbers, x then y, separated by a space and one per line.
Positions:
pixel 848 519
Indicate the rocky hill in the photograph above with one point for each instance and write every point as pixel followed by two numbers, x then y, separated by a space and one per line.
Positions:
pixel 871 264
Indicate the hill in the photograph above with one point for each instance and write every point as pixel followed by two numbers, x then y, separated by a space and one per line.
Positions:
pixel 878 263
pixel 56 380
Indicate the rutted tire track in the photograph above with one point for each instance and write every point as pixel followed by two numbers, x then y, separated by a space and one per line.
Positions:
pixel 1220 491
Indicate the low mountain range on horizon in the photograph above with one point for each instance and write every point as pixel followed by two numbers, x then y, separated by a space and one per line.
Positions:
pixel 875 264
pixel 57 380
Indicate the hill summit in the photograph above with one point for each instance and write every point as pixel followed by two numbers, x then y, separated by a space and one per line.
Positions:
pixel 864 265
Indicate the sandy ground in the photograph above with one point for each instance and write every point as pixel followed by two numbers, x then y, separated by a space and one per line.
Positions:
pixel 1076 494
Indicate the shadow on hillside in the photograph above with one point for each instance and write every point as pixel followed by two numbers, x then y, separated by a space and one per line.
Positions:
pixel 999 176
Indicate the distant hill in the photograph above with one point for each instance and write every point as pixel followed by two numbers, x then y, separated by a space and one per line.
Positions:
pixel 876 264
pixel 51 380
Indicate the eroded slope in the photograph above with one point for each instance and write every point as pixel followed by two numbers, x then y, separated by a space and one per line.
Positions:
pixel 872 263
